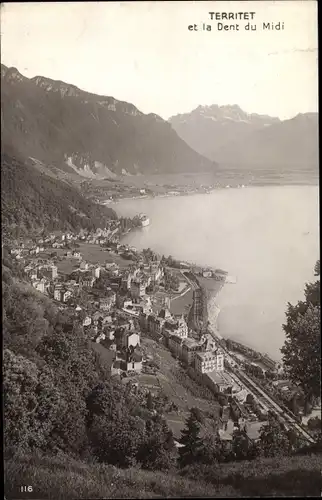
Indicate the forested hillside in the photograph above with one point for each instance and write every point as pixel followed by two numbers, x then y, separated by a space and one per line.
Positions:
pixel 31 201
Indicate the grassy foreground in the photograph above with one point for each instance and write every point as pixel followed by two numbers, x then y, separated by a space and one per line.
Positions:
pixel 65 478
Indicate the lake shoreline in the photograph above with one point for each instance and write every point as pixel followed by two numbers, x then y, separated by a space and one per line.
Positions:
pixel 209 191
pixel 252 234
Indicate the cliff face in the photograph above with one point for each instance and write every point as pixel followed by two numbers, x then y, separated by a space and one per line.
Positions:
pixel 235 137
pixel 94 136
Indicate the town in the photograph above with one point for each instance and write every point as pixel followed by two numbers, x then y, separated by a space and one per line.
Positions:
pixel 135 304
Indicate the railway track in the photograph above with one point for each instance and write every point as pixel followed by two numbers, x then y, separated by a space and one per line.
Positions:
pixel 268 403
pixel 265 400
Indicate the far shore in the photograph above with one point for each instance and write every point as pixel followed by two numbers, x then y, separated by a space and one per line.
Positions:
pixel 211 190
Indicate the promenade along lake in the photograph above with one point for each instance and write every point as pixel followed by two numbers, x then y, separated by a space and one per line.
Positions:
pixel 267 237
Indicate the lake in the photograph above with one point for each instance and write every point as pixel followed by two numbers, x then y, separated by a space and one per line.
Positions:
pixel 267 237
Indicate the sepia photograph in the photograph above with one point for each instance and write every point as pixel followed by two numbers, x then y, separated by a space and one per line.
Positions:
pixel 161 325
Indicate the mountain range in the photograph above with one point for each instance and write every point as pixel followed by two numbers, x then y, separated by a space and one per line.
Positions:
pixel 94 136
pixel 236 138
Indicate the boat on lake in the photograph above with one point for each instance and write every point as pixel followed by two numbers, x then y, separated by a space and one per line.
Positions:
pixel 144 219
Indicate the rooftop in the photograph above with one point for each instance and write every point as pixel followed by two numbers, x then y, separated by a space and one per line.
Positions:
pixel 191 342
pixel 219 377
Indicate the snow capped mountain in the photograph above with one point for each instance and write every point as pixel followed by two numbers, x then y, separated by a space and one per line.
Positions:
pixel 230 135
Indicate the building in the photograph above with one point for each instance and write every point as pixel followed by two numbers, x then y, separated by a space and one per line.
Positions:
pixel 83 265
pixel 133 362
pixel 268 362
pixel 175 345
pixel 156 273
pixel 110 265
pixel 108 302
pixel 138 288
pixel 100 336
pixel 39 285
pixel 116 367
pixel 189 350
pixel 181 327
pixel 110 334
pixel 57 293
pixel 87 321
pixel 129 339
pixel 143 321
pixel 126 281
pixel 54 272
pixel 146 305
pixel 96 272
pixel 241 395
pixel 206 362
pixel 218 382
pixel 165 314
pixel 65 295
pixel 88 281
pixel 154 325
pixel 175 327
pixel 33 275
pixel 51 272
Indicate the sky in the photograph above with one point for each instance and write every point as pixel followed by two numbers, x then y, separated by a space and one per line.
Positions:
pixel 144 53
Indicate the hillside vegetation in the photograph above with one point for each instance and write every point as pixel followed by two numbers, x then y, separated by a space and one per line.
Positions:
pixel 33 201
pixel 64 478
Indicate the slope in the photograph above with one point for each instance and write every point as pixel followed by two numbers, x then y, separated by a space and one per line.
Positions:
pixel 61 478
pixel 92 135
pixel 32 201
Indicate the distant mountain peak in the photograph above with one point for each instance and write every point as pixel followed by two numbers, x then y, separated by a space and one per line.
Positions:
pixel 233 136
pixel 11 74
pixel 222 114
pixel 48 84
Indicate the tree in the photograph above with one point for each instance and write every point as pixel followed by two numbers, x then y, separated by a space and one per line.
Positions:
pixel 317 269
pixel 115 435
pixel 314 424
pixel 25 318
pixel 158 452
pixel 243 448
pixel 273 438
pixel 171 281
pixel 198 415
pixel 212 450
pixel 192 444
pixel 116 442
pixel 249 399
pixel 301 350
pixel 31 404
